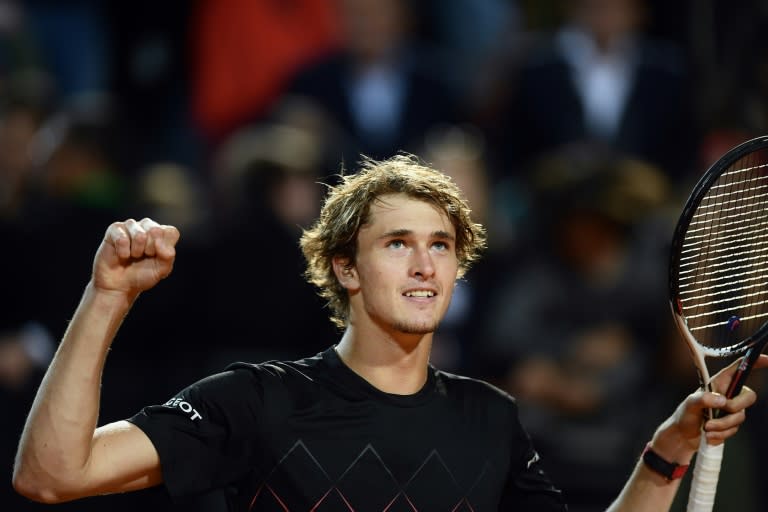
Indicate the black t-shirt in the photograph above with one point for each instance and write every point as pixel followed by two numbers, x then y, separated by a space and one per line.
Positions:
pixel 313 435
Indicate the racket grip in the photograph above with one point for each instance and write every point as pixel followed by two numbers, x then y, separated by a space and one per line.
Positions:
pixel 705 475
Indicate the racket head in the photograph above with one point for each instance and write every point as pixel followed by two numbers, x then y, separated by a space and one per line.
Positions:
pixel 718 269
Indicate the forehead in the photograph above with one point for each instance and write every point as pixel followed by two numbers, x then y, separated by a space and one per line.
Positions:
pixel 399 211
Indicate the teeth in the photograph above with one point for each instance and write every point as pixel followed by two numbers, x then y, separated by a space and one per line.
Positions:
pixel 420 293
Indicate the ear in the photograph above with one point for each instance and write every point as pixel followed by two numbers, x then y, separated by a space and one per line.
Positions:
pixel 346 273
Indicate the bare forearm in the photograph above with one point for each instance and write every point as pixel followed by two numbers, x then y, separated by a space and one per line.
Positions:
pixel 645 491
pixel 56 441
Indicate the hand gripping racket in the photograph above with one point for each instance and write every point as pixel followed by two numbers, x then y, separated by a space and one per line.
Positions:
pixel 718 281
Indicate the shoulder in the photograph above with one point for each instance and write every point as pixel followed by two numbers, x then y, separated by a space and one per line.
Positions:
pixel 272 376
pixel 275 367
pixel 470 388
pixel 304 368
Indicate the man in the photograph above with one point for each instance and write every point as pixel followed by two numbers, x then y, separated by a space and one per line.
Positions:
pixel 366 425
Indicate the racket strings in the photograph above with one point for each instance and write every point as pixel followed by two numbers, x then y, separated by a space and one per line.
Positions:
pixel 732 264
pixel 738 217
pixel 727 310
pixel 758 316
pixel 741 170
pixel 718 282
pixel 720 204
pixel 720 241
pixel 760 291
pixel 756 254
pixel 723 270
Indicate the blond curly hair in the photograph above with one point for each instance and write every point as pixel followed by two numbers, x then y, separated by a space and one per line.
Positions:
pixel 347 208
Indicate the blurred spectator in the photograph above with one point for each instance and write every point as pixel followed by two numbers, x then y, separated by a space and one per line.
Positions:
pixel 174 194
pixel 745 114
pixel 151 82
pixel 20 120
pixel 75 183
pixel 26 346
pixel 467 50
pixel 73 40
pixel 24 342
pixel 377 90
pixel 459 151
pixel 600 80
pixel 267 190
pixel 22 64
pixel 572 331
pixel 244 53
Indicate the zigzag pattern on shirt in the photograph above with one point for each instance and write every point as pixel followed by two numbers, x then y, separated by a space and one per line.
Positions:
pixel 356 491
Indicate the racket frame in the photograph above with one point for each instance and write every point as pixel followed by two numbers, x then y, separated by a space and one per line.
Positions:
pixel 709 458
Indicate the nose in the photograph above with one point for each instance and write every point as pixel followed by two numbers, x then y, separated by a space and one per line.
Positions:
pixel 422 265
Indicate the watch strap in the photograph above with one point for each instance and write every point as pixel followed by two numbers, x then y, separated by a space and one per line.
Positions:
pixel 669 470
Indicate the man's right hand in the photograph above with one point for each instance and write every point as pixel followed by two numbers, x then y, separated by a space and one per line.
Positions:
pixel 134 256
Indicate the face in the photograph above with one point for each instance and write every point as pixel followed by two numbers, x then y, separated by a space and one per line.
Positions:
pixel 609 20
pixel 405 267
pixel 372 28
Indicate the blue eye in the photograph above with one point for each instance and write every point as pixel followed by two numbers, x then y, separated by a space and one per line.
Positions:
pixel 396 244
pixel 440 246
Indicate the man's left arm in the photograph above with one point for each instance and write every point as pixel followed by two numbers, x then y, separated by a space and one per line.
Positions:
pixel 677 440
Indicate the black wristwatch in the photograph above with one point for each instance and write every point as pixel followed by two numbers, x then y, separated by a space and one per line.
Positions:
pixel 668 470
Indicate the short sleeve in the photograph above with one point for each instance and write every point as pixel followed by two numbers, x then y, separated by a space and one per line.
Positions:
pixel 208 435
pixel 528 488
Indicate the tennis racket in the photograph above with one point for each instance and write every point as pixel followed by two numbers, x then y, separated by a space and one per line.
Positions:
pixel 718 281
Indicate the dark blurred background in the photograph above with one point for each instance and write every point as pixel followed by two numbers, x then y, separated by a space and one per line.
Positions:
pixel 576 129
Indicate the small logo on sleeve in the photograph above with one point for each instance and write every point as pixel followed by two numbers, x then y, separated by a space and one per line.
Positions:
pixel 185 407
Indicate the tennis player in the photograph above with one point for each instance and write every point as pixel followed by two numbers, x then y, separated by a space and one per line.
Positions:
pixel 367 424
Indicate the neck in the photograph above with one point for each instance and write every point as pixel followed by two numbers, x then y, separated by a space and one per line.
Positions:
pixel 390 365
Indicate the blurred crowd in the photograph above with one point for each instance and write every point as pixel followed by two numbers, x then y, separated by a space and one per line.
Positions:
pixel 576 129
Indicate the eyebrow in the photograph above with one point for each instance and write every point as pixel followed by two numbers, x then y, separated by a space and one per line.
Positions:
pixel 444 235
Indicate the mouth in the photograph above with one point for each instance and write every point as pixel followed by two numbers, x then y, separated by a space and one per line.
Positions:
pixel 420 293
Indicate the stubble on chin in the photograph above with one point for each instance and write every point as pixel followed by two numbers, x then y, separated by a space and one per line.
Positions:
pixel 419 328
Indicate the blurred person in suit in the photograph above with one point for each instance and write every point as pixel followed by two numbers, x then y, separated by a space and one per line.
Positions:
pixel 600 80
pixel 377 90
